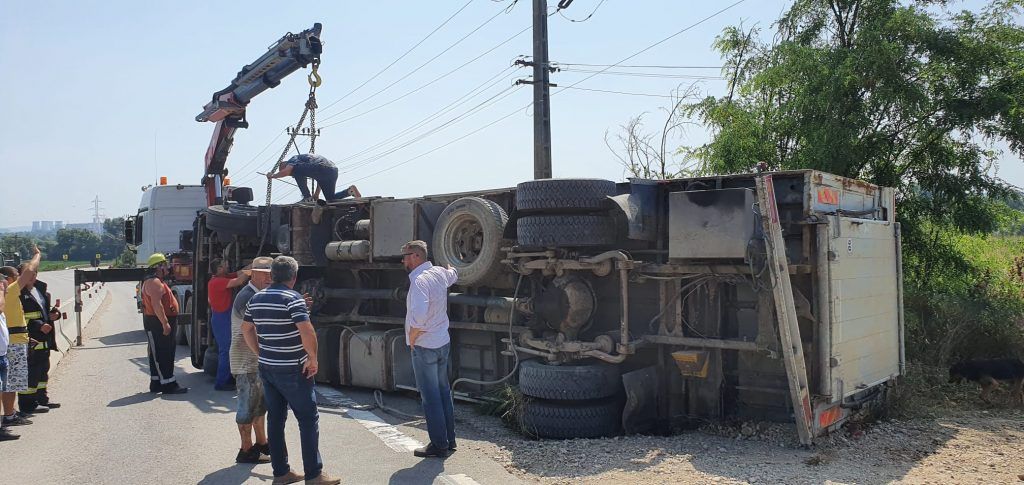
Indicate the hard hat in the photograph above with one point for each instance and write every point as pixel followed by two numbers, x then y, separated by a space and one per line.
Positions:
pixel 155 259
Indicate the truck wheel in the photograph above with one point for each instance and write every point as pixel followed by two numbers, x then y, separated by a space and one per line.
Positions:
pixel 563 195
pixel 195 348
pixel 565 230
pixel 565 420
pixel 468 236
pixel 235 220
pixel 569 381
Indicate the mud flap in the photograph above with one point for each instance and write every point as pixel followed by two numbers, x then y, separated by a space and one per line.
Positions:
pixel 641 411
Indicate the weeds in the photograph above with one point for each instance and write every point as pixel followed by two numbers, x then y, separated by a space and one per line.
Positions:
pixel 506 403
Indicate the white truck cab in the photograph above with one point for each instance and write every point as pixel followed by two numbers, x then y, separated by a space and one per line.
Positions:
pixel 165 211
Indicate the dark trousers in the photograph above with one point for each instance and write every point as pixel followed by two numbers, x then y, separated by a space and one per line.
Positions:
pixel 38 372
pixel 284 387
pixel 430 366
pixel 326 176
pixel 161 352
pixel 221 323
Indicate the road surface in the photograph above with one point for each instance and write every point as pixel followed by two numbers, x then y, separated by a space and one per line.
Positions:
pixel 111 430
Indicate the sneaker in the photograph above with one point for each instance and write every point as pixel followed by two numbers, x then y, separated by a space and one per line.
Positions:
pixel 430 451
pixel 52 405
pixel 7 435
pixel 451 446
pixel 15 420
pixel 264 448
pixel 323 479
pixel 252 455
pixel 290 477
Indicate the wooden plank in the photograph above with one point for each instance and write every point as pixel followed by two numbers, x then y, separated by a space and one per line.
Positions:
pixel 785 310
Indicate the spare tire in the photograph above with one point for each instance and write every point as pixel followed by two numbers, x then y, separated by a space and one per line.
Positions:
pixel 468 236
pixel 574 419
pixel 569 381
pixel 234 220
pixel 563 195
pixel 565 230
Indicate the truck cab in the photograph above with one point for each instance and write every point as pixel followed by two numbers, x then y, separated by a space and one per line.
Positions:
pixel 164 212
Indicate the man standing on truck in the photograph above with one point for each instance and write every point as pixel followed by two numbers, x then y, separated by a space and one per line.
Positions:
pixel 277 327
pixel 251 413
pixel 426 332
pixel 218 292
pixel 159 316
pixel 318 168
pixel 17 351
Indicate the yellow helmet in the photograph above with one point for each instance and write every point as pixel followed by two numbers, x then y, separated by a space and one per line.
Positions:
pixel 155 259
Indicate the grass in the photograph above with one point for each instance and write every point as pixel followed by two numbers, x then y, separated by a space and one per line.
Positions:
pixel 61 265
pixel 506 402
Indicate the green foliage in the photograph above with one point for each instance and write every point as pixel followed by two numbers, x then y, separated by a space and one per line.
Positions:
pixel 905 94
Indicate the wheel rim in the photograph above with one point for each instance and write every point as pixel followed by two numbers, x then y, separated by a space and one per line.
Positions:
pixel 465 240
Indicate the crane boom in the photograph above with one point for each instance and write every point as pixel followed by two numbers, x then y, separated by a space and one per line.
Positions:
pixel 227 108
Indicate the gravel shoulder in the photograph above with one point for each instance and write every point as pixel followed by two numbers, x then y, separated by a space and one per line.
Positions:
pixel 945 436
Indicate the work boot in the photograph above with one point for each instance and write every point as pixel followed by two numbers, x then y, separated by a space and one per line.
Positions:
pixel 430 451
pixel 323 479
pixel 7 435
pixel 290 477
pixel 52 405
pixel 35 410
pixel 154 386
pixel 174 388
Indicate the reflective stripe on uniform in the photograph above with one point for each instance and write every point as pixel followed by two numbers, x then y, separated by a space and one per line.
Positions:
pixel 33 316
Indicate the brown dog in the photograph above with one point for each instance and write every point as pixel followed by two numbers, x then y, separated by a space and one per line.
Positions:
pixel 989 373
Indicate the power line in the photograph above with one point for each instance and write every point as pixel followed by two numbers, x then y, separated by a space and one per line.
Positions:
pixel 432 32
pixel 557 64
pixel 447 108
pixel 254 157
pixel 470 112
pixel 662 41
pixel 592 12
pixel 642 74
pixel 620 92
pixel 421 66
pixel 424 86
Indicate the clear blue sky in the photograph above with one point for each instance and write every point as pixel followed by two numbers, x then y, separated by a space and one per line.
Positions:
pixel 99 97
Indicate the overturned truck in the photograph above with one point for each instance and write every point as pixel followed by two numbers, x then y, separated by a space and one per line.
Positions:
pixel 615 307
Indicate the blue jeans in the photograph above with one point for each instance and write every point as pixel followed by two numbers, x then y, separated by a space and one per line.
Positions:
pixel 326 176
pixel 431 369
pixel 284 387
pixel 221 322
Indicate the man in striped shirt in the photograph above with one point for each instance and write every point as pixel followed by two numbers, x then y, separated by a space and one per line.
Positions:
pixel 277 328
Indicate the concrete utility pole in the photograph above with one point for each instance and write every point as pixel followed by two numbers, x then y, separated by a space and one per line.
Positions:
pixel 541 93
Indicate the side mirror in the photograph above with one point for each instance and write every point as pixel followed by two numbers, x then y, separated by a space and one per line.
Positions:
pixel 129 230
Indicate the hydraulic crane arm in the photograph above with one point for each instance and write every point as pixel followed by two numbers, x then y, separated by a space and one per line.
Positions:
pixel 227 108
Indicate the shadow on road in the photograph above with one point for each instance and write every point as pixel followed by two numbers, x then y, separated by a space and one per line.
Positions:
pixel 133 399
pixel 236 474
pixel 423 473
pixel 129 337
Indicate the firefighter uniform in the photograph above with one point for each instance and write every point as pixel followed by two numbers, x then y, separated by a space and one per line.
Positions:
pixel 35 302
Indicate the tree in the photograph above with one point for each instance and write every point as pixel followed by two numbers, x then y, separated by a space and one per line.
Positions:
pixel 904 94
pixel 646 154
pixel 78 244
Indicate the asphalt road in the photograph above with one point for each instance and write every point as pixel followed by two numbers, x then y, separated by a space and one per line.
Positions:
pixel 111 430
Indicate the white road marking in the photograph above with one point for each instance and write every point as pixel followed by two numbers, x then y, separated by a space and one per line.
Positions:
pixel 390 435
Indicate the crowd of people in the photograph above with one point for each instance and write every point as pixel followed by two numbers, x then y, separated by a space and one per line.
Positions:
pixel 27 324
pixel 267 349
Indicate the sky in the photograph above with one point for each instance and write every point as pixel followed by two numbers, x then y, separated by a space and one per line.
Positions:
pixel 99 97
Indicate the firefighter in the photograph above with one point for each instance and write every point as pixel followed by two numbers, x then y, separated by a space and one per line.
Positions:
pixel 39 319
pixel 159 315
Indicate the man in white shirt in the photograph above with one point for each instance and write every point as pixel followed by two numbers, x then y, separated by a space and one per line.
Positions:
pixel 426 332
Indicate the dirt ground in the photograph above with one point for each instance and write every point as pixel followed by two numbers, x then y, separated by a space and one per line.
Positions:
pixel 944 434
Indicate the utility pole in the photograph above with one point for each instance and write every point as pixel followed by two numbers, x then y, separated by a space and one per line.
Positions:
pixel 541 93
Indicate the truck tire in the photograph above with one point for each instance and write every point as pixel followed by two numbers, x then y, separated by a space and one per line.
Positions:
pixel 563 195
pixel 569 382
pixel 195 347
pixel 565 230
pixel 240 220
pixel 468 236
pixel 574 419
